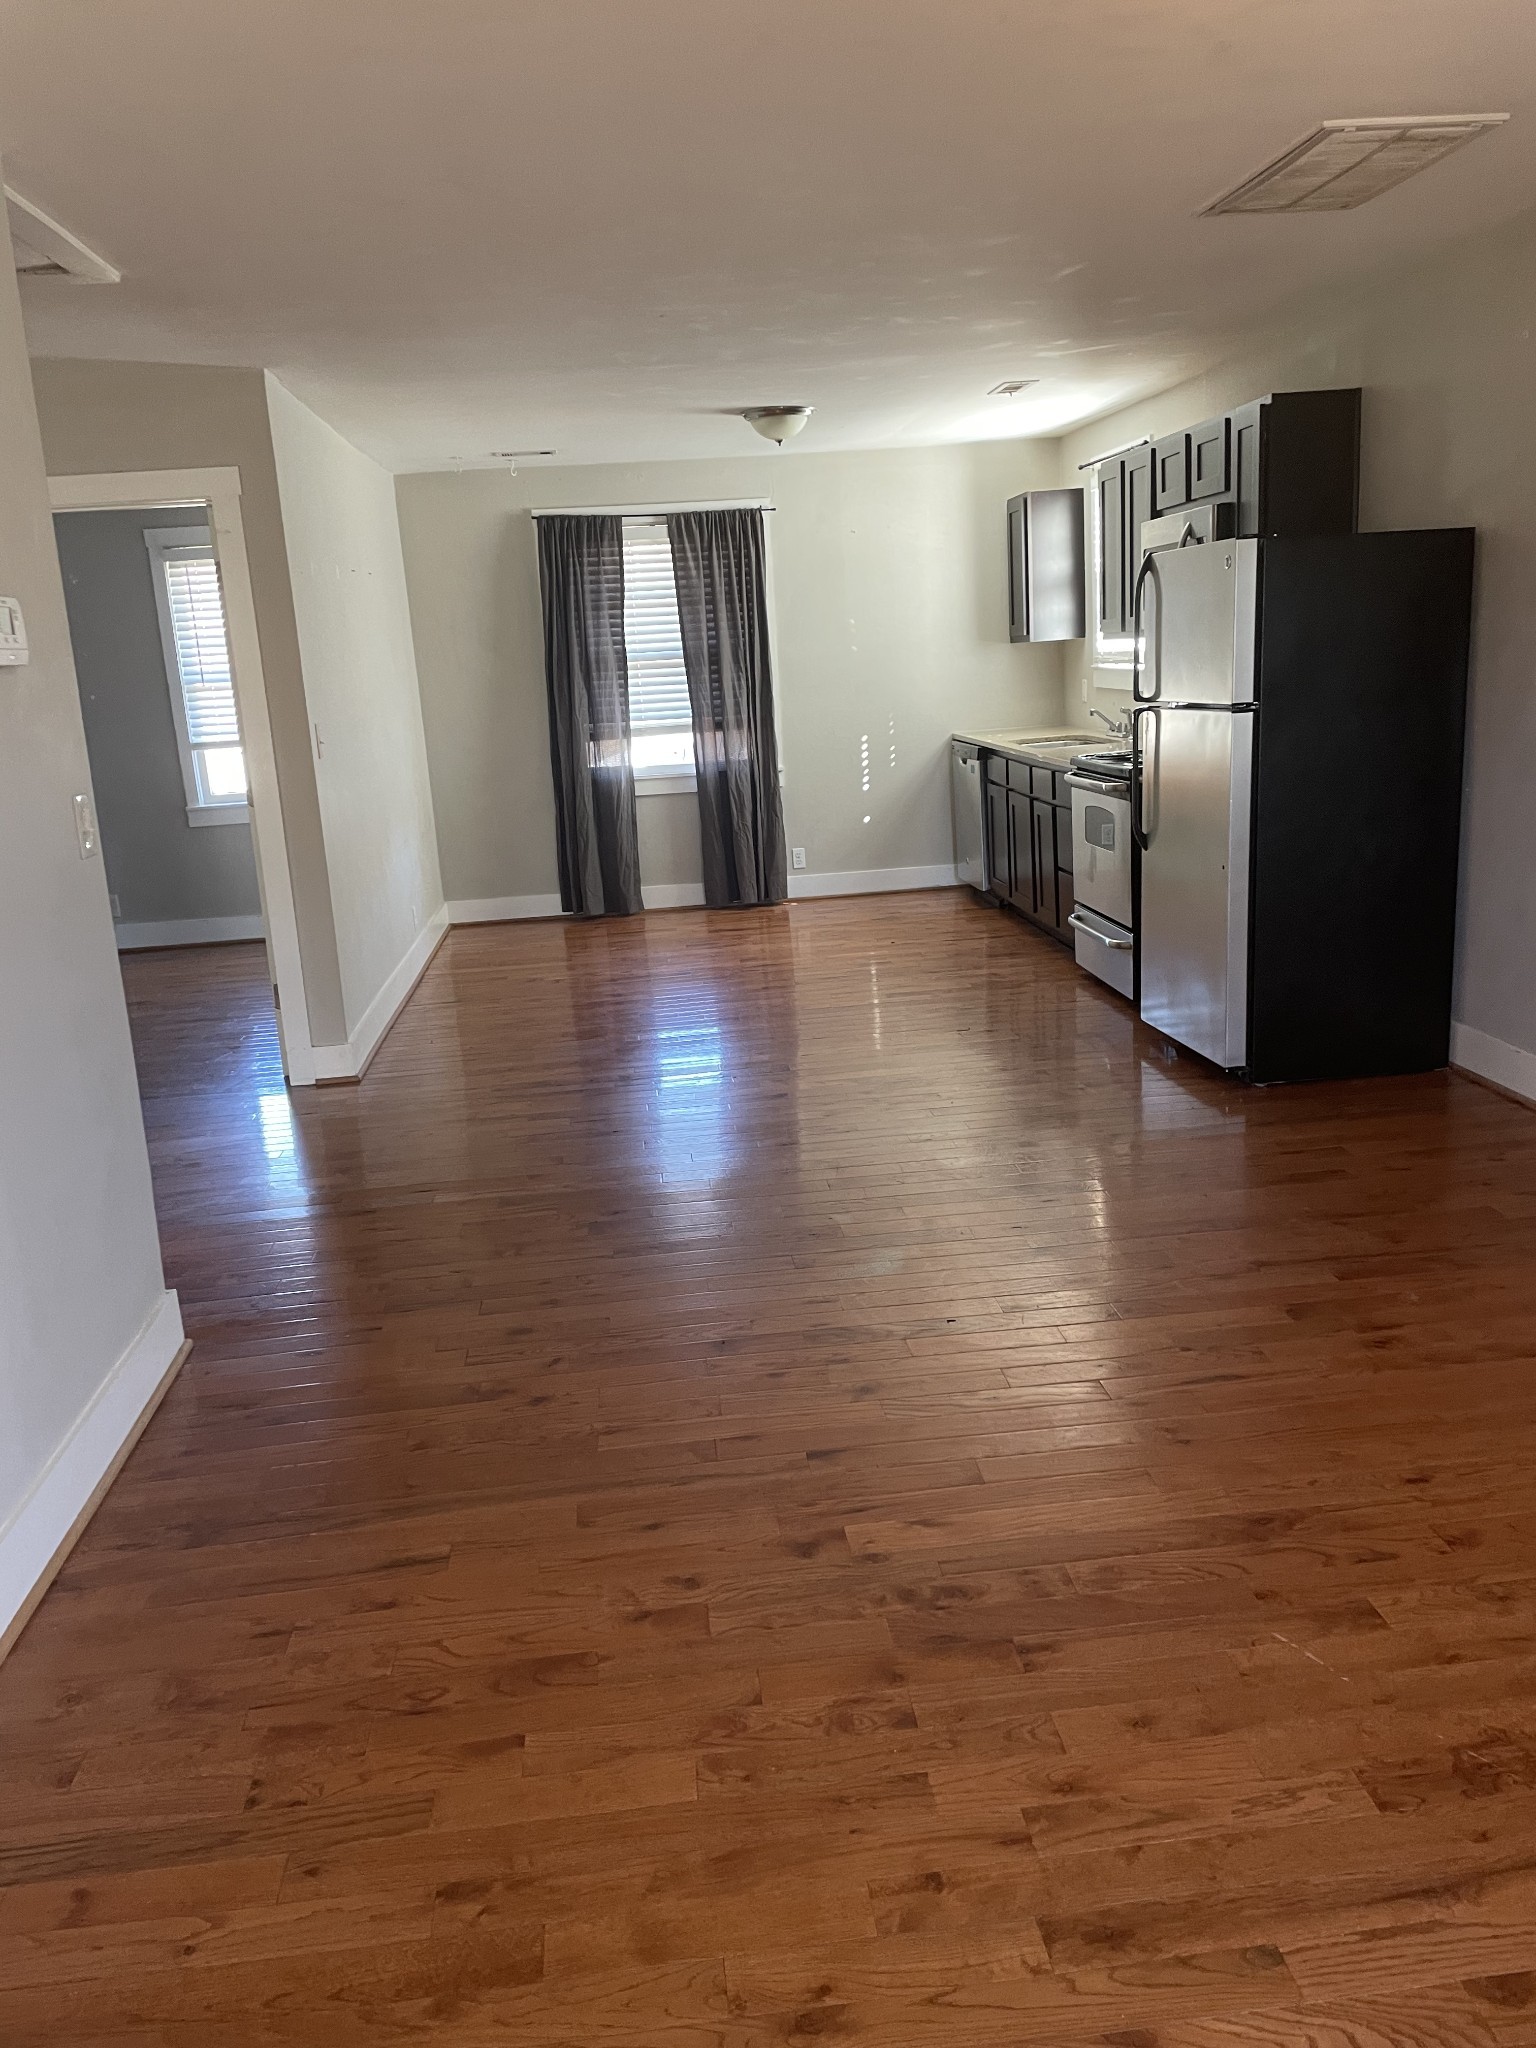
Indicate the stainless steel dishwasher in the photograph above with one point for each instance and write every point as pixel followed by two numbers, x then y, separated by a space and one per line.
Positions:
pixel 966 797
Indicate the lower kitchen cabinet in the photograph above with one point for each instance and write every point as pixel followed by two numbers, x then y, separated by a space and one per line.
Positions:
pixel 1029 843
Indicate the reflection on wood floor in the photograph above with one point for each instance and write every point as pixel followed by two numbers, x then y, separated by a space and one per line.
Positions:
pixel 792 1476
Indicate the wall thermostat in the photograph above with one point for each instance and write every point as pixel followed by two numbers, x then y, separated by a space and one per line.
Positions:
pixel 13 634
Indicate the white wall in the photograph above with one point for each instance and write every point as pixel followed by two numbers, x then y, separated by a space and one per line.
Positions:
pixel 1446 358
pixel 87 1329
pixel 890 598
pixel 349 600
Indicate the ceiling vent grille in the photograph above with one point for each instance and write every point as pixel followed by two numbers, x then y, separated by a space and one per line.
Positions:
pixel 1345 163
pixel 44 249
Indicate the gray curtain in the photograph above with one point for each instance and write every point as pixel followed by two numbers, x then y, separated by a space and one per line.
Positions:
pixel 581 574
pixel 717 560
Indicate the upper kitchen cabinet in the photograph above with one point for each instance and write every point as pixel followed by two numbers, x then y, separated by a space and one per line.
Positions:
pixel 1287 464
pixel 1046 566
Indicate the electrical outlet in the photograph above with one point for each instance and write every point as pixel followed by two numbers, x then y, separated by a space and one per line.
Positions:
pixel 85 827
pixel 797 855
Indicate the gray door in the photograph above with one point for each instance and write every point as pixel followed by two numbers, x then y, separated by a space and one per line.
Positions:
pixel 1197 784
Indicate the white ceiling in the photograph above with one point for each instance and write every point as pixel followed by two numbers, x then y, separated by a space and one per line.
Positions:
pixel 455 226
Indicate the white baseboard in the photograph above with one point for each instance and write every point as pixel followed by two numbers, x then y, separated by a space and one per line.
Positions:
pixel 349 1062
pixel 677 895
pixel 44 1529
pixel 188 931
pixel 502 909
pixel 1507 1066
pixel 874 881
pixel 672 895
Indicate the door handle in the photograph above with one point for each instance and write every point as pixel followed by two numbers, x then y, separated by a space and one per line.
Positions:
pixel 1090 931
pixel 1139 830
pixel 1148 569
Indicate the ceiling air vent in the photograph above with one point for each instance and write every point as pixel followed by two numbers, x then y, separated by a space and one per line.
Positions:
pixel 1345 163
pixel 44 249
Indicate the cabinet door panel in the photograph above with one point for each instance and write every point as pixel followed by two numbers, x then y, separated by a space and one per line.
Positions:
pixel 1170 472
pixel 1111 521
pixel 1018 571
pixel 1245 468
pixel 999 866
pixel 1138 507
pixel 1043 860
pixel 1208 460
pixel 1023 896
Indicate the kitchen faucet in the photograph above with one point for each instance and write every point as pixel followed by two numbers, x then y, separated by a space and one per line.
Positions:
pixel 1120 727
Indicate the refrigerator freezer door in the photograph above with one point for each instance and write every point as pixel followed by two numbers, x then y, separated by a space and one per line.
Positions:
pixel 1199 621
pixel 1197 803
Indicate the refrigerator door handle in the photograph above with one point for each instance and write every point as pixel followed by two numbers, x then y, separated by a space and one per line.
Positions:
pixel 1148 569
pixel 1141 832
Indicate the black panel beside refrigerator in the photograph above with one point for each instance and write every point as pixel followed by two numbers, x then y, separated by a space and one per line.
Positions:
pixel 1300 799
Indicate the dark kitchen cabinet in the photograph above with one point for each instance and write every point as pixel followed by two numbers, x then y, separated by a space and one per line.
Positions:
pixel 1046 566
pixel 999 854
pixel 1109 499
pixel 1288 465
pixel 1123 497
pixel 1209 461
pixel 1029 841
pixel 1170 472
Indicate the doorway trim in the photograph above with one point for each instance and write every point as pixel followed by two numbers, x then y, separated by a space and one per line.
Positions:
pixel 219 489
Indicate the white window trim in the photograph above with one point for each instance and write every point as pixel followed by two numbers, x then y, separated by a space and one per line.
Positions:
pixel 162 542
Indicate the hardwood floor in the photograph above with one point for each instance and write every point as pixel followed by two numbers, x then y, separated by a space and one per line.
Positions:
pixel 787 1477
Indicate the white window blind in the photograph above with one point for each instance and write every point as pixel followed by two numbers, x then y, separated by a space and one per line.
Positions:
pixel 197 667
pixel 660 716
pixel 202 648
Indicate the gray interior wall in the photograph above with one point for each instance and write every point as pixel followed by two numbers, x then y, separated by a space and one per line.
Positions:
pixel 889 577
pixel 79 1257
pixel 342 532
pixel 115 416
pixel 160 867
pixel 1446 358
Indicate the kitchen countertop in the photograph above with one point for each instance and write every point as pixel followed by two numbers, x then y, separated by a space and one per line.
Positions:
pixel 1049 746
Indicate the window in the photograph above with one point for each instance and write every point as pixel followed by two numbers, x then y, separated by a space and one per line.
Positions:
pixel 660 715
pixel 197 668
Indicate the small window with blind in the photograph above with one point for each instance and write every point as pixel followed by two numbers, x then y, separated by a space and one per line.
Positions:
pixel 660 717
pixel 197 666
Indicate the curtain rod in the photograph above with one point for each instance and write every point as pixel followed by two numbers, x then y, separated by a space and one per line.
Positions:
pixel 1109 453
pixel 652 511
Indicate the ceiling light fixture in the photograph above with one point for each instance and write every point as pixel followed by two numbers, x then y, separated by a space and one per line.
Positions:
pixel 1013 388
pixel 1344 163
pixel 778 422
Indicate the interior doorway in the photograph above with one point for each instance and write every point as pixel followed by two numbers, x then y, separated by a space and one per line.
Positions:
pixel 177 725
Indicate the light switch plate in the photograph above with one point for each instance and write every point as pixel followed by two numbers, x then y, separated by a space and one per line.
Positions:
pixel 13 634
pixel 85 827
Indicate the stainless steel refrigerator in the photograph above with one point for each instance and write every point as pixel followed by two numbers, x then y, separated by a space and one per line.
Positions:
pixel 1296 798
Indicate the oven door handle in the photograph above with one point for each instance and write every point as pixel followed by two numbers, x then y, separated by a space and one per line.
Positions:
pixel 1119 789
pixel 1092 932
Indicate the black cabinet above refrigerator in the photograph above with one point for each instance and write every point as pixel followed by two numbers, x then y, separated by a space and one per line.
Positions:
pixel 1047 598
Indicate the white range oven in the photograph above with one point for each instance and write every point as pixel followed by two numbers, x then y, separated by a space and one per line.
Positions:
pixel 1104 918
